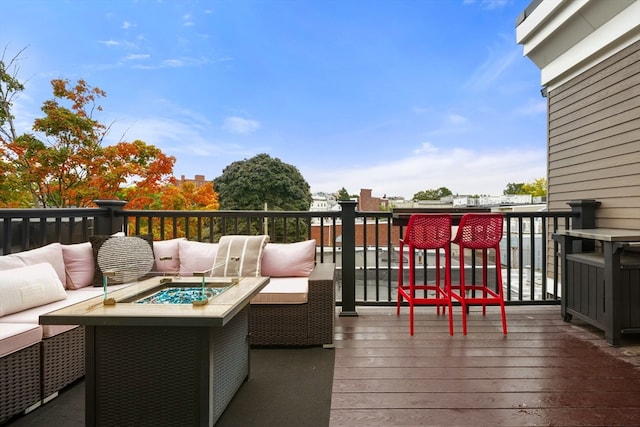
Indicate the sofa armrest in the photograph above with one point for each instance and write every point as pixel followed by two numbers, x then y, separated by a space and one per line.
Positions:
pixel 321 299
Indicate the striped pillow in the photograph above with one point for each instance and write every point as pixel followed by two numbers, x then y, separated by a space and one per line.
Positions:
pixel 239 256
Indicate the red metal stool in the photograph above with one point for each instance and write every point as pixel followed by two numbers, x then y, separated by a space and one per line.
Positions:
pixel 479 232
pixel 426 232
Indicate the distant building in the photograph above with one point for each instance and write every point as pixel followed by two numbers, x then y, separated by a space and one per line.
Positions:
pixel 323 202
pixel 368 203
pixel 198 180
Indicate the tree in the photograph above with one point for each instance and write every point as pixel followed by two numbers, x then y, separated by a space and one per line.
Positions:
pixel 187 196
pixel 71 167
pixel 264 181
pixel 12 194
pixel 249 184
pixel 343 194
pixel 432 194
pixel 513 188
pixel 537 188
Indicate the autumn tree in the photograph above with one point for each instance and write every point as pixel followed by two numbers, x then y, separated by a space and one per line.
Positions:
pixel 69 166
pixel 12 193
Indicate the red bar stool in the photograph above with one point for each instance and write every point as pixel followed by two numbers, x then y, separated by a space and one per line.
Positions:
pixel 426 232
pixel 479 232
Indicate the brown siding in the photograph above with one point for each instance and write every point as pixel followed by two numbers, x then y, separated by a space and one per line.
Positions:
pixel 594 140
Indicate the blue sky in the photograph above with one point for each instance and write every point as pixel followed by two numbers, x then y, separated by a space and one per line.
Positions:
pixel 396 96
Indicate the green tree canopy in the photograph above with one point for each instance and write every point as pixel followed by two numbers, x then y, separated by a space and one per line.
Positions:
pixel 537 188
pixel 432 194
pixel 513 188
pixel 343 194
pixel 249 184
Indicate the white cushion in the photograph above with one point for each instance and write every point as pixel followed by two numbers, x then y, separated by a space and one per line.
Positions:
pixel 240 256
pixel 289 259
pixel 284 290
pixel 32 315
pixel 79 264
pixel 170 251
pixel 16 336
pixel 196 256
pixel 51 253
pixel 30 286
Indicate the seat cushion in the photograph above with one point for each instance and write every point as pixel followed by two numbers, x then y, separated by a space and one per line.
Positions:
pixel 16 336
pixel 284 290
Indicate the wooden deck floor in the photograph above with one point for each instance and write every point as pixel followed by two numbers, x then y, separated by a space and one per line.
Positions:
pixel 544 372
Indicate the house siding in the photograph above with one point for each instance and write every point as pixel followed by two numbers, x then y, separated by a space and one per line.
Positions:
pixel 594 140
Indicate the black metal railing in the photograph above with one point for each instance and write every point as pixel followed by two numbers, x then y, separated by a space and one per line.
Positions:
pixel 364 245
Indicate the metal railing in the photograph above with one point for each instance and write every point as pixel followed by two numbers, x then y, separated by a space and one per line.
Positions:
pixel 367 260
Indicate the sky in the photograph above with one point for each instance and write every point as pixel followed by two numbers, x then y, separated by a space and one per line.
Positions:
pixel 396 96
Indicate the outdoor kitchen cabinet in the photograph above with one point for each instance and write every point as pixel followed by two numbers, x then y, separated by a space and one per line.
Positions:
pixel 601 279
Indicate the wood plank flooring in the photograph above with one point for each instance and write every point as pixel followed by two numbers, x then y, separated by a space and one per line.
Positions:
pixel 544 372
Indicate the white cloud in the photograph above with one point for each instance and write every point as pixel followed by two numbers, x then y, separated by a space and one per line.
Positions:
pixel 126 25
pixel 533 107
pixel 241 126
pixel 134 57
pixel 463 171
pixel 456 119
pixel 498 61
pixel 426 147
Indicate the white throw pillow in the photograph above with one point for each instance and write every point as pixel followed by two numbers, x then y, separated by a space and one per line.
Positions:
pixel 196 256
pixel 27 287
pixel 289 259
pixel 79 264
pixel 167 255
pixel 240 256
pixel 51 253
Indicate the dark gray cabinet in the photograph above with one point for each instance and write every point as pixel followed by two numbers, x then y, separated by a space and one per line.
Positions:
pixel 601 279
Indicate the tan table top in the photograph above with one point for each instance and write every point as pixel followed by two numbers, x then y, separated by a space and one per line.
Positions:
pixel 604 234
pixel 217 312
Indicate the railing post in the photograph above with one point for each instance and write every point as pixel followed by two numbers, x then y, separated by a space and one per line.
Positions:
pixel 110 222
pixel 348 258
pixel 586 218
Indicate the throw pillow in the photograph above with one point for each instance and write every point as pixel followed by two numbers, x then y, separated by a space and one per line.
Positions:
pixel 196 256
pixel 240 256
pixel 167 255
pixel 29 286
pixel 127 257
pixel 79 265
pixel 51 253
pixel 289 259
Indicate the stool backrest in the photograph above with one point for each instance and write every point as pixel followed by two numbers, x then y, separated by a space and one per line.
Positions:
pixel 480 231
pixel 428 231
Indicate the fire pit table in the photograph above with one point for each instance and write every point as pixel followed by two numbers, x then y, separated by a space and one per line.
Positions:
pixel 153 360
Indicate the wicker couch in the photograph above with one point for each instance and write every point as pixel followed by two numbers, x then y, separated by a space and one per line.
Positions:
pixel 37 361
pixel 306 324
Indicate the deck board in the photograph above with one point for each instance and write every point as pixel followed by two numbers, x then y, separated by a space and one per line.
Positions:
pixel 544 372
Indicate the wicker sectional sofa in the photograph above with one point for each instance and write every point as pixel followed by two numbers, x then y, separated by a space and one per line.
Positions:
pixel 36 361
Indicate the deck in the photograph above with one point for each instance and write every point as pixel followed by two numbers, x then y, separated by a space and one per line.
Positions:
pixel 544 372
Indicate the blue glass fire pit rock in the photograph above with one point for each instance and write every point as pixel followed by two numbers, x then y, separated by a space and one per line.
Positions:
pixel 181 295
